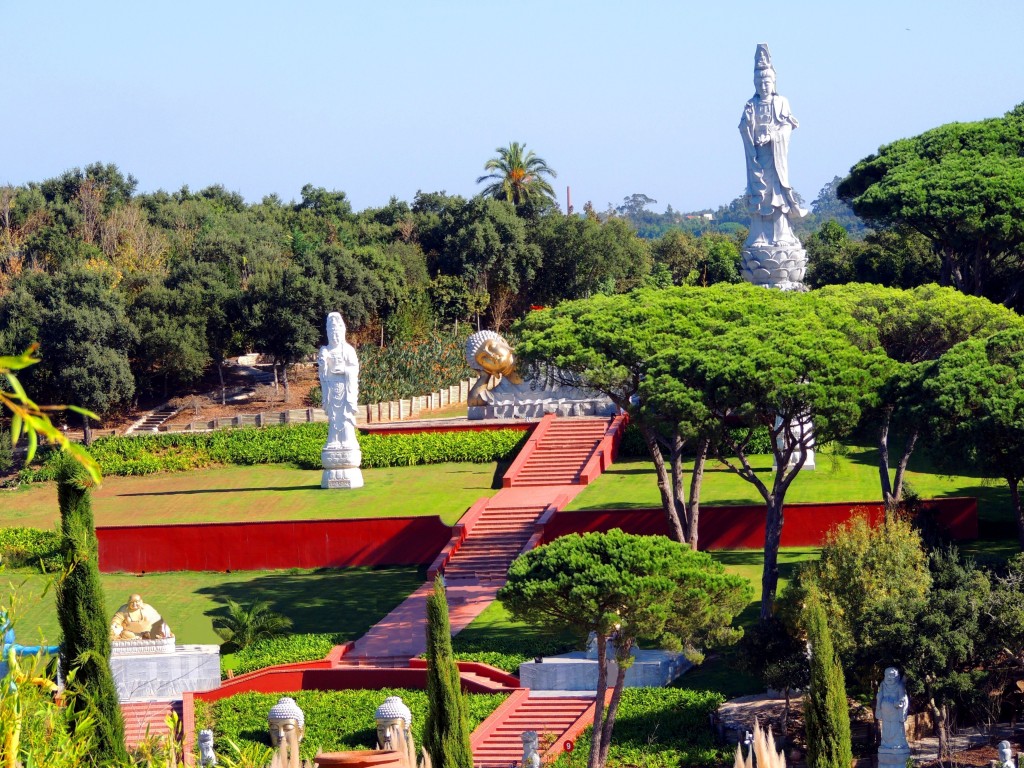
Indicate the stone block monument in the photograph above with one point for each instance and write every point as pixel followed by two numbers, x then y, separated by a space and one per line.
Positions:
pixel 339 387
pixel 145 661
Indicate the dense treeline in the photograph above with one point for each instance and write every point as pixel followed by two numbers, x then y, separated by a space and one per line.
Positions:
pixel 140 295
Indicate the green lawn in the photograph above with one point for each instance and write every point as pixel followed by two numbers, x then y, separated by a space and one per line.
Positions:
pixel 347 601
pixel 266 492
pixel 630 484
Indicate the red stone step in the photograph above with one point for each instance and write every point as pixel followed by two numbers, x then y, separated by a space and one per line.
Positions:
pixel 148 719
pixel 500 741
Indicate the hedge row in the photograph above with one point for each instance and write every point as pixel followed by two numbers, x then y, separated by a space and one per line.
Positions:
pixel 30 547
pixel 298 444
pixel 286 649
pixel 335 720
pixel 659 728
pixel 507 653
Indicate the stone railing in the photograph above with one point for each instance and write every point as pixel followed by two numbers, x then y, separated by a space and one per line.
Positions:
pixel 394 410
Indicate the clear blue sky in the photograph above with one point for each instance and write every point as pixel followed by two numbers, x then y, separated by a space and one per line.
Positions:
pixel 387 98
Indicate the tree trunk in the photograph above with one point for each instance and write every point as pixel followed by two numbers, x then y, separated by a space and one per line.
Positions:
pixel 941 715
pixel 223 387
pixel 602 690
pixel 883 465
pixel 609 718
pixel 678 496
pixel 664 484
pixel 901 468
pixel 1014 483
pixel 770 574
pixel 87 431
pixel 284 374
pixel 277 389
pixel 696 480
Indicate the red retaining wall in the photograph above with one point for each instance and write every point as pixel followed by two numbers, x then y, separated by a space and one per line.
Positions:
pixel 267 545
pixel 742 527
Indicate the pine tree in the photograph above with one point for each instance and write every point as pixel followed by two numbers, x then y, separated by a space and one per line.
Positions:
pixel 81 611
pixel 446 730
pixel 826 711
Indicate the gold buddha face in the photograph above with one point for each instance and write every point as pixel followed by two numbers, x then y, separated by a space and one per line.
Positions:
pixel 495 357
pixel 134 602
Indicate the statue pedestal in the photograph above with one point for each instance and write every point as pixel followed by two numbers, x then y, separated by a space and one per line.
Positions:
pixel 893 757
pixel 774 266
pixel 142 676
pixel 341 467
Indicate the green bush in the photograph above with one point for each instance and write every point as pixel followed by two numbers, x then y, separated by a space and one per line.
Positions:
pixel 507 653
pixel 659 728
pixel 335 720
pixel 6 450
pixel 411 368
pixel 30 547
pixel 298 444
pixel 285 649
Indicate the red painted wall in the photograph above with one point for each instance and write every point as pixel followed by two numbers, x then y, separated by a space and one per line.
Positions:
pixel 266 545
pixel 742 527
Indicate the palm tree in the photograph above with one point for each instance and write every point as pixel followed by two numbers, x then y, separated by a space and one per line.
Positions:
pixel 517 176
pixel 243 626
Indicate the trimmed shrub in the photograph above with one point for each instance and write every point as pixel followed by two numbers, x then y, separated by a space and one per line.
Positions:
pixel 658 728
pixel 30 547
pixel 298 444
pixel 286 649
pixel 507 653
pixel 826 710
pixel 335 720
pixel 446 732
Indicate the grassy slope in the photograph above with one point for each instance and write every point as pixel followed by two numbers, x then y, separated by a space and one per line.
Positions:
pixel 266 492
pixel 853 477
pixel 347 601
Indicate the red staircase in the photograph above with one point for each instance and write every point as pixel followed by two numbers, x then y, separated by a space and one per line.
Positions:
pixel 498 741
pixel 562 452
pixel 495 540
pixel 148 719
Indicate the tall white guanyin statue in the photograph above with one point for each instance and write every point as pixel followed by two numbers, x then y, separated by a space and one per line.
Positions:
pixel 339 385
pixel 772 255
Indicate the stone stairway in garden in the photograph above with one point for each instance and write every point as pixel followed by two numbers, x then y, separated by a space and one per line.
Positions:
pixel 497 743
pixel 148 719
pixel 561 453
pixel 495 541
pixel 152 420
pixel 549 469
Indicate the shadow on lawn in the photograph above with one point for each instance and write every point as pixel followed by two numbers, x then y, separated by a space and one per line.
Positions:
pixel 345 601
pixel 192 491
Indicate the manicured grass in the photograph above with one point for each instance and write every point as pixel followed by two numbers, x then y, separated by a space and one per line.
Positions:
pixel 347 601
pixel 630 484
pixel 265 492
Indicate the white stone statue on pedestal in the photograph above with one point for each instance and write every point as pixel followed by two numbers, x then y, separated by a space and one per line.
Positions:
pixel 891 708
pixel 339 385
pixel 772 255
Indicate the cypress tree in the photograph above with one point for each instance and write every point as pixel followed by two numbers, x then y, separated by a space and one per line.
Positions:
pixel 826 710
pixel 81 611
pixel 446 729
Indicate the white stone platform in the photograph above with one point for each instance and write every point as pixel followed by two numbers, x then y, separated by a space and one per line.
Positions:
pixel 577 671
pixel 148 676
